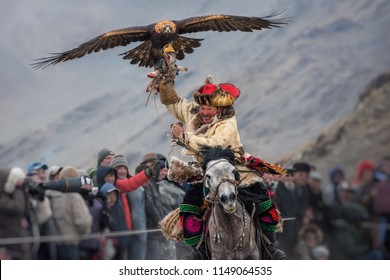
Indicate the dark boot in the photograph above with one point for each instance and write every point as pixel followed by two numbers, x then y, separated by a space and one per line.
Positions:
pixel 272 248
pixel 197 253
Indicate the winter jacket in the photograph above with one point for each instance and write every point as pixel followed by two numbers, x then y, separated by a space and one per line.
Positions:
pixel 117 214
pixel 71 215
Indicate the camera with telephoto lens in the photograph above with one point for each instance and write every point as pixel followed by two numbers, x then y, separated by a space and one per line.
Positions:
pixel 37 190
pixel 34 189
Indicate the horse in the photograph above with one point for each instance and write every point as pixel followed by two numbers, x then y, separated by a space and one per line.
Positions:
pixel 231 230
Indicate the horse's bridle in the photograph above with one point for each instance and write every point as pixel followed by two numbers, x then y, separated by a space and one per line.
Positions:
pixel 215 198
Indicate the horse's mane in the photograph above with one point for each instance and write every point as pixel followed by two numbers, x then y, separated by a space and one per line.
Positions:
pixel 213 153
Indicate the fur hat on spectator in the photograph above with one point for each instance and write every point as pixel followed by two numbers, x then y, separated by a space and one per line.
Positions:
pixel 69 172
pixel 9 178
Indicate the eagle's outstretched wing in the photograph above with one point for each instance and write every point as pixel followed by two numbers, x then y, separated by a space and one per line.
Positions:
pixel 153 38
pixel 228 23
pixel 108 40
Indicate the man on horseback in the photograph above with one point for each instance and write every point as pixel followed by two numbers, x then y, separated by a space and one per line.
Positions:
pixel 210 120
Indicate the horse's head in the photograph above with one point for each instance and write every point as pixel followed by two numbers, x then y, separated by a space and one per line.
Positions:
pixel 221 177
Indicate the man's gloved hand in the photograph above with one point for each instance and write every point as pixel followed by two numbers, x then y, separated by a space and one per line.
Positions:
pixel 167 91
pixel 177 131
pixel 154 171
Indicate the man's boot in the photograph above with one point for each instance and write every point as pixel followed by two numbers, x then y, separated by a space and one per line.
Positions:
pixel 197 253
pixel 272 248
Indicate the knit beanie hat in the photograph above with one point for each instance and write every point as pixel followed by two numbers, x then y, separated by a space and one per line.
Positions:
pixel 69 172
pixel 119 160
pixel 103 153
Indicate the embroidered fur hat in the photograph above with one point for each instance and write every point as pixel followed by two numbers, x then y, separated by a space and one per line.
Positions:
pixel 221 95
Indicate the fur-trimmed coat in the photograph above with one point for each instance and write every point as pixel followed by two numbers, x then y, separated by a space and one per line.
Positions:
pixel 70 214
pixel 222 131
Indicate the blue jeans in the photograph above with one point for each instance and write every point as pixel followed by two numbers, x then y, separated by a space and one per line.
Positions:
pixel 137 245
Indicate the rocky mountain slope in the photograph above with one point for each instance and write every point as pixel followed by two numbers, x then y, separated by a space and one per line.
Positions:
pixel 363 133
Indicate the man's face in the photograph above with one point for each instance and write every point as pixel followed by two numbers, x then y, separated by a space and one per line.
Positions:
pixel 107 160
pixel 122 171
pixel 207 113
pixel 300 178
pixel 41 173
pixel 163 173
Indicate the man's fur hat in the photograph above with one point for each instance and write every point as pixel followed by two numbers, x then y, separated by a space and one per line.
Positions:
pixel 221 95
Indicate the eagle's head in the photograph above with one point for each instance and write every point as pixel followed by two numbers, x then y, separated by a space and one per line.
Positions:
pixel 165 27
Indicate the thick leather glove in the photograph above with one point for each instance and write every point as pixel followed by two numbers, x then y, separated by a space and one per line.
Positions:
pixel 154 171
pixel 167 91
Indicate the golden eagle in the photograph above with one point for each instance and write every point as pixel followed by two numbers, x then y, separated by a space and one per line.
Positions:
pixel 155 36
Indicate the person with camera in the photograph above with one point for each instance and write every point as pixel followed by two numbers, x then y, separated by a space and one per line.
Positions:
pixel 14 210
pixel 71 217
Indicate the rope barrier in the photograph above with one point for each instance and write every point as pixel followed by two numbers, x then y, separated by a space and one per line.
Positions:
pixel 70 237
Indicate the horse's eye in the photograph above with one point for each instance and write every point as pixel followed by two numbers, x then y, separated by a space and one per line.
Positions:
pixel 207 180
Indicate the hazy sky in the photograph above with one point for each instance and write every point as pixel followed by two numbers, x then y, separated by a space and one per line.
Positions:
pixel 32 29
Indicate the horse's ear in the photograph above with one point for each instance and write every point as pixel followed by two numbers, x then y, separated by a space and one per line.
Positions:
pixel 236 175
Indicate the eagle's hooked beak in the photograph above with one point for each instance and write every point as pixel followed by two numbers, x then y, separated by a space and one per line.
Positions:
pixel 167 30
